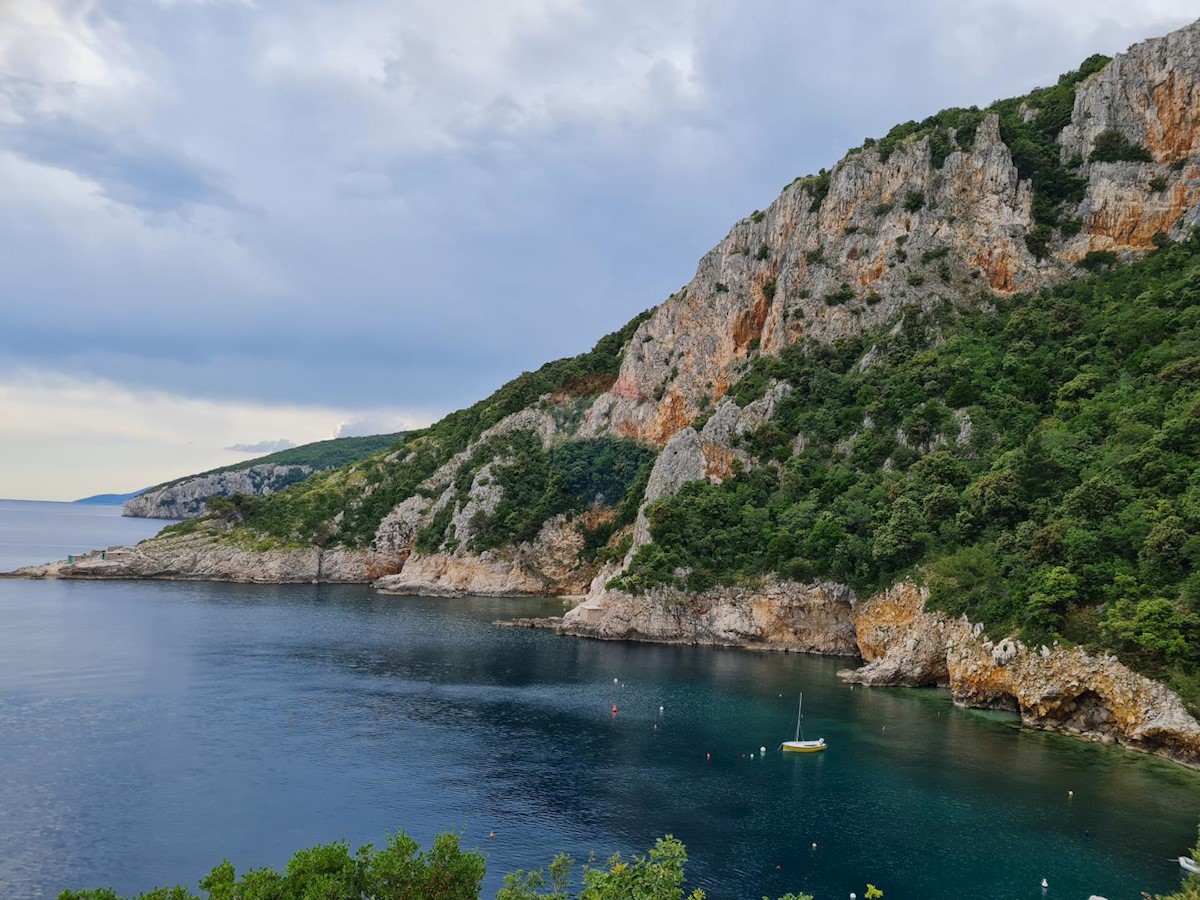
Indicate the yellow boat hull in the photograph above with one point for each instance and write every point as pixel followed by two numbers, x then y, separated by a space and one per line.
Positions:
pixel 802 747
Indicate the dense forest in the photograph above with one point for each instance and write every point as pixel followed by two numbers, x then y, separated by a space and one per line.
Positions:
pixel 1034 459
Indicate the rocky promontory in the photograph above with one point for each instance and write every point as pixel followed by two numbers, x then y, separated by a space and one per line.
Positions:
pixel 185 499
pixel 201 557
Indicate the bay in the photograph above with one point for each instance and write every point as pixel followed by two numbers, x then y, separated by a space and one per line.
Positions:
pixel 150 729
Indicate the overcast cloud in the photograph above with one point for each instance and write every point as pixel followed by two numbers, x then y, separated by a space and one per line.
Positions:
pixel 378 211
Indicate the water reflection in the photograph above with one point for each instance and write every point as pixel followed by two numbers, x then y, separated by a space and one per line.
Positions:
pixel 148 730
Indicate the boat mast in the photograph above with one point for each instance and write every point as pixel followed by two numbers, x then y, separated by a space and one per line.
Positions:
pixel 799 715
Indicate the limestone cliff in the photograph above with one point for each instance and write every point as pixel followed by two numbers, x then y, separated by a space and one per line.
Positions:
pixel 547 565
pixel 834 255
pixel 778 615
pixel 185 499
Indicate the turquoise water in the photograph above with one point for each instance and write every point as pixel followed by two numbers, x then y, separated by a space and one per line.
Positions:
pixel 148 730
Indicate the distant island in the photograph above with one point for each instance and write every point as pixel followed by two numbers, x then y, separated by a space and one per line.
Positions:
pixel 186 497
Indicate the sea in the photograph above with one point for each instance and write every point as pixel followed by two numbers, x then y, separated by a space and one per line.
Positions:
pixel 149 730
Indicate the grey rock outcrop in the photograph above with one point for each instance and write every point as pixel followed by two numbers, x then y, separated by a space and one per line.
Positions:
pixel 201 557
pixel 185 499
pixel 778 615
pixel 547 565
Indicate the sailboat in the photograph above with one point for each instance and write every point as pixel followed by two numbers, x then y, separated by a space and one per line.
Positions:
pixel 799 745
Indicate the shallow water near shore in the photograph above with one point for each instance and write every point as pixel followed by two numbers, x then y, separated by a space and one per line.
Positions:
pixel 150 729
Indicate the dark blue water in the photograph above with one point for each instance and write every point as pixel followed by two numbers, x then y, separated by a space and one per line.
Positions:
pixel 148 730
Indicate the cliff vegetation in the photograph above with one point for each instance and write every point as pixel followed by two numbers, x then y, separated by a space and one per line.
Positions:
pixel 1036 456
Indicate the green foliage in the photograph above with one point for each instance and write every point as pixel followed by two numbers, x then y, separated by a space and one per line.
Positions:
pixel 721 287
pixel 764 252
pixel 1098 259
pixel 367 490
pixel 818 187
pixel 1157 183
pixel 319 456
pixel 1112 146
pixel 914 200
pixel 399 871
pixel 604 473
pixel 1073 507
pixel 757 216
pixel 842 295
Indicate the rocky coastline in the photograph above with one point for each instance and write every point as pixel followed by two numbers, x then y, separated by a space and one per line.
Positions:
pixel 1094 697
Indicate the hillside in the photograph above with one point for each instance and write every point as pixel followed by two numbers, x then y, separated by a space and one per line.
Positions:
pixel 109 499
pixel 955 375
pixel 185 497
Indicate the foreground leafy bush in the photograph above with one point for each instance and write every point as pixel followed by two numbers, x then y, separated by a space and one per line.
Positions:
pixel 400 871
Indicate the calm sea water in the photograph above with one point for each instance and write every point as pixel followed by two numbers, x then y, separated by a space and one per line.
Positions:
pixel 147 730
pixel 34 532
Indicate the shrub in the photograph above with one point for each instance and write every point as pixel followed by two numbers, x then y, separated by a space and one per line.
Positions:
pixel 1112 146
pixel 1158 183
pixel 722 287
pixel 1094 260
pixel 763 252
pixel 914 200
pixel 842 295
pixel 757 216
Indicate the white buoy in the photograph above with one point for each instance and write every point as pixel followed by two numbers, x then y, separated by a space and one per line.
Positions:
pixel 762 751
pixel 752 756
pixel 853 895
pixel 660 709
pixel 614 681
pixel 1045 884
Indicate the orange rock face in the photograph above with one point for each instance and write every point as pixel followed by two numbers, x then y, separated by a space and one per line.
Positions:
pixel 1065 689
pixel 805 268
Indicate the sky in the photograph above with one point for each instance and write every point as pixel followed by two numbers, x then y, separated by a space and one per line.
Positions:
pixel 233 225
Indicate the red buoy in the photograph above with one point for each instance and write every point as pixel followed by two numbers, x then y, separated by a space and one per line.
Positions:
pixel 614 709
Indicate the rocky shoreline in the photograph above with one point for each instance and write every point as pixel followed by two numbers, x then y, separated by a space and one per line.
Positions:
pixel 899 643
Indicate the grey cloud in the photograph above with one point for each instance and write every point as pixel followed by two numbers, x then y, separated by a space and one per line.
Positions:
pixel 136 171
pixel 424 236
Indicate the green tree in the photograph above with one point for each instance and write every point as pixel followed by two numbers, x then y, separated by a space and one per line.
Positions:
pixel 1153 631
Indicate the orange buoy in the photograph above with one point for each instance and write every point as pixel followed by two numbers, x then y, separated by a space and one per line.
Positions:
pixel 614 709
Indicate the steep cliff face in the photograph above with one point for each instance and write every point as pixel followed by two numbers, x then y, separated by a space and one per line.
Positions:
pixel 185 499
pixel 837 255
pixel 548 565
